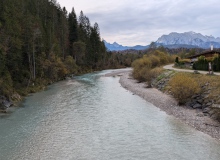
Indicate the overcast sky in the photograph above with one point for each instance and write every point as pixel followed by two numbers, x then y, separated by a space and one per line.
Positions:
pixel 133 22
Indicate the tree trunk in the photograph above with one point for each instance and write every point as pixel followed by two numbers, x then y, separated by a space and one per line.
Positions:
pixel 34 71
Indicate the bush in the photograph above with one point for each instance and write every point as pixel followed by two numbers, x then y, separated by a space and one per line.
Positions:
pixel 177 60
pixel 201 64
pixel 145 69
pixel 140 67
pixel 216 63
pixel 162 56
pixel 145 62
pixel 183 87
pixel 70 65
pixel 209 59
pixel 147 74
pixel 171 58
pixel 151 74
pixel 185 61
pixel 155 61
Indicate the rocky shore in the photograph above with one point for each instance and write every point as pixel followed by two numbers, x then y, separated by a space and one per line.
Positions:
pixel 6 103
pixel 193 117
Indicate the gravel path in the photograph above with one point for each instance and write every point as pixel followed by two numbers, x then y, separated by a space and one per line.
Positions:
pixel 165 102
pixel 170 67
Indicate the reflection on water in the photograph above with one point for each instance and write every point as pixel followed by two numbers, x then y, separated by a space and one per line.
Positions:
pixel 92 117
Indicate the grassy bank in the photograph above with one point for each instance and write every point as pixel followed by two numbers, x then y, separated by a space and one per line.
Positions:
pixel 197 91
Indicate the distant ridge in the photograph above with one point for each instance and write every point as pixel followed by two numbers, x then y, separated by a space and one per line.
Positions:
pixel 174 40
pixel 117 47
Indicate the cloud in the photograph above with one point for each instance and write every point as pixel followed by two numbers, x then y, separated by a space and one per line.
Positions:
pixel 132 22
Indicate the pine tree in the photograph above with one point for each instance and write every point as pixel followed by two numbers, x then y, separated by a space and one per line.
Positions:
pixel 39 40
pixel 73 32
pixel 79 49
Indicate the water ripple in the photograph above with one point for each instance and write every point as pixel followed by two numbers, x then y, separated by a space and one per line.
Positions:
pixel 92 117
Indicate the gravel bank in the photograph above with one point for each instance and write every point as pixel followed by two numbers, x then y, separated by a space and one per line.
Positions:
pixel 168 104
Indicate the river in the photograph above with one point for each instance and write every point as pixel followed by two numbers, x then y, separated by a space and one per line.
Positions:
pixel 92 117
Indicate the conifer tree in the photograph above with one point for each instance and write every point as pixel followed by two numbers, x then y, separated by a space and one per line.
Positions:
pixel 73 32
pixel 39 40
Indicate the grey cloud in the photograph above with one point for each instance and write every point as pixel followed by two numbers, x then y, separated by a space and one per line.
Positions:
pixel 140 22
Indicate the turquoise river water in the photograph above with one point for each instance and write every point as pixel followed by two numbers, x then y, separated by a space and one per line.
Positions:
pixel 92 117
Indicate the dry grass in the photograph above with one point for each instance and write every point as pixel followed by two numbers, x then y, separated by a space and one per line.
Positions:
pixel 184 61
pixel 152 74
pixel 208 84
pixel 183 87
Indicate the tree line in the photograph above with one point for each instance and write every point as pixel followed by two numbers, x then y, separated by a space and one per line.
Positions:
pixel 40 43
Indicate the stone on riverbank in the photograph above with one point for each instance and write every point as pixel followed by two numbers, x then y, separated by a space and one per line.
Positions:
pixel 4 103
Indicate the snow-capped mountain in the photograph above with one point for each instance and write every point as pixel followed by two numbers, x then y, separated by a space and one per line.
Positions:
pixel 117 47
pixel 189 38
pixel 174 40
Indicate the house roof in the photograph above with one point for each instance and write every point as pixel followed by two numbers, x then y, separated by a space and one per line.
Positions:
pixel 204 53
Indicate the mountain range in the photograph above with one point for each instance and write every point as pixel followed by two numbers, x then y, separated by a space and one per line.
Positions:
pixel 117 47
pixel 189 38
pixel 174 40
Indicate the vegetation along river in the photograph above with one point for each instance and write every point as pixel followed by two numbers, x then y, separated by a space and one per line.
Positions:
pixel 92 117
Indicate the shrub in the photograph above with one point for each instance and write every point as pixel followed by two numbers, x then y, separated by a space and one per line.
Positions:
pixel 177 60
pixel 70 65
pixel 140 67
pixel 182 63
pixel 145 74
pixel 6 84
pixel 209 59
pixel 201 64
pixel 183 87
pixel 185 61
pixel 162 56
pixel 143 62
pixel 145 68
pixel 216 63
pixel 151 74
pixel 155 61
pixel 171 58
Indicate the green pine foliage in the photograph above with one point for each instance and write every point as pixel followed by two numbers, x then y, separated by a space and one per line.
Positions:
pixel 41 43
pixel 216 63
pixel 201 64
pixel 38 44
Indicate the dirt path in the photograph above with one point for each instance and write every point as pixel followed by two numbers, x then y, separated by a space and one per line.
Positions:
pixel 170 67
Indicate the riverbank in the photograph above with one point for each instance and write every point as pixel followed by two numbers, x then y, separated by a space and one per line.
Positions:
pixel 15 95
pixel 168 104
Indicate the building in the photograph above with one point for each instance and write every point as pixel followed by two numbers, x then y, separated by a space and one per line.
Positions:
pixel 207 64
pixel 208 53
pixel 205 54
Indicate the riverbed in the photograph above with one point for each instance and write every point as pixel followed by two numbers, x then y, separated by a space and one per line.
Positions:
pixel 91 117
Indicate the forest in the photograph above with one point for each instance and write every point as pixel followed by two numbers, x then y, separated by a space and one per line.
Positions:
pixel 42 43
